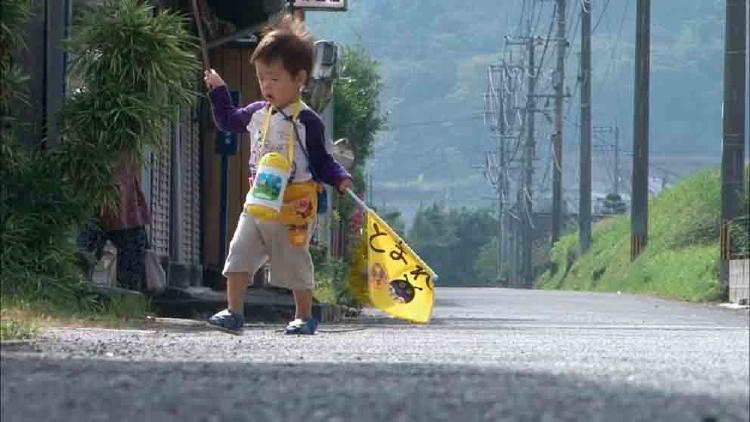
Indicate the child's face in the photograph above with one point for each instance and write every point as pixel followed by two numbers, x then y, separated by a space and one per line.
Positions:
pixel 278 86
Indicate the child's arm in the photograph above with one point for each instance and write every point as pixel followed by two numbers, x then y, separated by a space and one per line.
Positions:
pixel 325 167
pixel 226 116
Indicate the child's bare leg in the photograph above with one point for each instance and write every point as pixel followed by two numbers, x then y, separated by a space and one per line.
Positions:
pixel 302 303
pixel 236 289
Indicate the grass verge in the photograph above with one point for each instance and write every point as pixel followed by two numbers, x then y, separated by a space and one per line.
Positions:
pixel 22 318
pixel 680 261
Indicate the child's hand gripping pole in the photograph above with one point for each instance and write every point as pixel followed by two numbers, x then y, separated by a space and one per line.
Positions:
pixel 359 202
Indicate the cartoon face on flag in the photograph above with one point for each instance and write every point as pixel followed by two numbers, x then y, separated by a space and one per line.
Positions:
pixel 389 276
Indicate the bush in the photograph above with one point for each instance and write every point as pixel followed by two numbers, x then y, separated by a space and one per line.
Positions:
pixel 332 282
pixel 739 233
pixel 740 238
pixel 36 210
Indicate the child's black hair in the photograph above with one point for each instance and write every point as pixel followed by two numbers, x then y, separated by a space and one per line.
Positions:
pixel 287 41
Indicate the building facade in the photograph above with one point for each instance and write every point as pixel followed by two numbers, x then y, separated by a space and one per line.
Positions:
pixel 196 182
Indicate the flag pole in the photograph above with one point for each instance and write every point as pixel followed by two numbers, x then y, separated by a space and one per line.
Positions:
pixel 201 36
pixel 356 199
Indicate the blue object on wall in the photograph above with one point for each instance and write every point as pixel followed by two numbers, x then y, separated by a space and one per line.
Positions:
pixel 226 145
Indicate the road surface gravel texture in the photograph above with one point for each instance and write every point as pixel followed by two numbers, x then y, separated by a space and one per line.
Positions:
pixel 488 355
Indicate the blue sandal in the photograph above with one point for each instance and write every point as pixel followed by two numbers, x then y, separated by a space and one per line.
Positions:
pixel 302 326
pixel 227 321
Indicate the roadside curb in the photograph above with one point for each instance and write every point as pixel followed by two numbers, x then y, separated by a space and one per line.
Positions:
pixel 17 345
pixel 261 305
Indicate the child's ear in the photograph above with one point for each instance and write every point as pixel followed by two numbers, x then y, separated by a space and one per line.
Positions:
pixel 301 77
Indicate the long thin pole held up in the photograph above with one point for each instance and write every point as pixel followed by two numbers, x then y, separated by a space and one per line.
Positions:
pixel 356 199
pixel 201 36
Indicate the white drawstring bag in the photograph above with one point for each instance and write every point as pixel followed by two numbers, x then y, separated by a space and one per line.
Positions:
pixel 104 273
pixel 156 278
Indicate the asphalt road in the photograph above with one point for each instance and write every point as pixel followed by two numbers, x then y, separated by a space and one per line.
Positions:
pixel 488 355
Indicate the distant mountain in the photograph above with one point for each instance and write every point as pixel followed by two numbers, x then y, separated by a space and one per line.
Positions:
pixel 434 56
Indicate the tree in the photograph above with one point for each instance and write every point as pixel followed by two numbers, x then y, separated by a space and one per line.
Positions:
pixel 393 218
pixel 474 229
pixel 356 106
pixel 485 265
pixel 613 204
pixel 452 241
pixel 356 111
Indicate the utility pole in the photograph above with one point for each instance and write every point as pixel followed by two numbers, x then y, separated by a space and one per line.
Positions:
pixel 500 205
pixel 616 187
pixel 733 125
pixel 507 247
pixel 503 116
pixel 512 249
pixel 520 221
pixel 557 137
pixel 584 198
pixel 527 212
pixel 518 235
pixel 496 162
pixel 502 193
pixel 639 204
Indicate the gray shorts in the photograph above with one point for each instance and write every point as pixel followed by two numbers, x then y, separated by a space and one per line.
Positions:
pixel 255 243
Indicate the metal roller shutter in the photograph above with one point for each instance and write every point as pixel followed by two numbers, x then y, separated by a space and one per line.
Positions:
pixel 190 202
pixel 160 193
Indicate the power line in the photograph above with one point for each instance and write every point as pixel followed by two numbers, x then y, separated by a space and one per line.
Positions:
pixel 520 20
pixel 599 20
pixel 616 47
pixel 546 40
pixel 435 122
pixel 575 32
pixel 538 16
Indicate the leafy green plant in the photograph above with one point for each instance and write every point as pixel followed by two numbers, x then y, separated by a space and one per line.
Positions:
pixel 35 247
pixel 136 68
pixel 12 329
pixel 331 278
pixel 13 17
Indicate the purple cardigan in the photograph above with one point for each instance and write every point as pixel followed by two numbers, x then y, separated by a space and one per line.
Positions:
pixel 235 119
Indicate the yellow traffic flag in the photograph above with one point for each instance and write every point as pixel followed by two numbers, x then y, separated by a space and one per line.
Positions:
pixel 389 276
